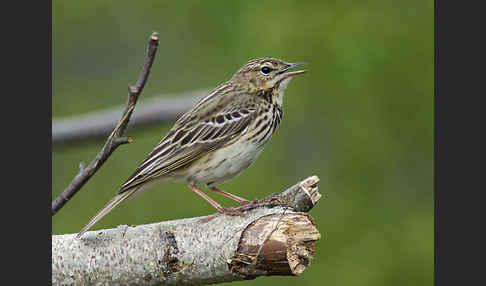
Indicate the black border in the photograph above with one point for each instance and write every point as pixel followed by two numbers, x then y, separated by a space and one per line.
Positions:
pixel 459 143
pixel 453 174
pixel 26 149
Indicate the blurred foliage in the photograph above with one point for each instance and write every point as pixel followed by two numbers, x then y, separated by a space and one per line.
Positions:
pixel 361 118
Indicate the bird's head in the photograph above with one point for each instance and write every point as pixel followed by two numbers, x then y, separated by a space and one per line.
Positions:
pixel 265 73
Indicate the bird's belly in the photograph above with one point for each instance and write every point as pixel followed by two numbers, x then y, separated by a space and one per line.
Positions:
pixel 224 163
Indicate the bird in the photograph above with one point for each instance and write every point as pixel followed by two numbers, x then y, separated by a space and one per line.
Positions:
pixel 218 138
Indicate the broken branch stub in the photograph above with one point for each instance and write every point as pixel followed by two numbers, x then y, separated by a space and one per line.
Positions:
pixel 276 244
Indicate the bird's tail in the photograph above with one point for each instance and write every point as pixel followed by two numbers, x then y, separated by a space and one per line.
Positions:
pixel 106 209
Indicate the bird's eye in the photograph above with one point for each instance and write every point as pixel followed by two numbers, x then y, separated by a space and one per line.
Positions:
pixel 266 70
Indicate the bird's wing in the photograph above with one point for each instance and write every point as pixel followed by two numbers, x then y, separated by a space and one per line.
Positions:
pixel 190 139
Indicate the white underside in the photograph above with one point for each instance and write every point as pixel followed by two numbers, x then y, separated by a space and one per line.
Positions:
pixel 226 163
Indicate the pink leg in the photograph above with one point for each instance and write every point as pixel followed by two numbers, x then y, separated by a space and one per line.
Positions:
pixel 231 196
pixel 213 202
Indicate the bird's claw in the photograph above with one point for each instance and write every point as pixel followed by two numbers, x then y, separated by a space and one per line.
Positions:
pixel 233 211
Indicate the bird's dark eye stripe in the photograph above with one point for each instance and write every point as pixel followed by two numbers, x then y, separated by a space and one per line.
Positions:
pixel 228 116
pixel 244 111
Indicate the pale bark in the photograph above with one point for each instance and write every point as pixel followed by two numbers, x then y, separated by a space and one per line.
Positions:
pixel 275 236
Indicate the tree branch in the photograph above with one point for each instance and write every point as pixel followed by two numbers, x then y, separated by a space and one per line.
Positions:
pixel 274 237
pixel 98 123
pixel 115 139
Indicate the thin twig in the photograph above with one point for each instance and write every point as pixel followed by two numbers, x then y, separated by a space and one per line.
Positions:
pixel 115 139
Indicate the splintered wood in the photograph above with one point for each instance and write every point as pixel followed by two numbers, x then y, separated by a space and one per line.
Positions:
pixel 276 244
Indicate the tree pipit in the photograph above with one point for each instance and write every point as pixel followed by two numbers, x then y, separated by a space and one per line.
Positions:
pixel 218 138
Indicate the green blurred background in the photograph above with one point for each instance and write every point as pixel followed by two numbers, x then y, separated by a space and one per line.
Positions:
pixel 361 118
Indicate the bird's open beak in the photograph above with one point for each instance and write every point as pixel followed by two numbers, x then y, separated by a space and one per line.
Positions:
pixel 291 66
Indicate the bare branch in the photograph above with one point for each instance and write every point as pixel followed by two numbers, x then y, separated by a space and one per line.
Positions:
pixel 275 236
pixel 114 140
pixel 98 123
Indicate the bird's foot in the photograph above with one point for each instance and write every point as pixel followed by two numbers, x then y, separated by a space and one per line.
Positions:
pixel 233 211
pixel 239 211
pixel 270 198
